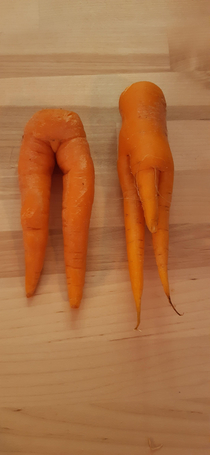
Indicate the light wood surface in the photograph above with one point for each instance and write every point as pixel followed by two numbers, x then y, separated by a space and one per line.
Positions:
pixel 84 382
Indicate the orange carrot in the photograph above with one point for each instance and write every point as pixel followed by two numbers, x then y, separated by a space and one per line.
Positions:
pixel 146 172
pixel 48 134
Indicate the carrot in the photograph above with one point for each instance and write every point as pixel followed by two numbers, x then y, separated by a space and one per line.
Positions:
pixel 146 173
pixel 50 134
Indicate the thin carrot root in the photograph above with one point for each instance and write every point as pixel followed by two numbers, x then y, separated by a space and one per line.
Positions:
pixel 152 446
pixel 138 319
pixel 176 311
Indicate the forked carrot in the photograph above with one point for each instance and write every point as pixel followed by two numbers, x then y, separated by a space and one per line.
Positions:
pixel 146 173
pixel 48 134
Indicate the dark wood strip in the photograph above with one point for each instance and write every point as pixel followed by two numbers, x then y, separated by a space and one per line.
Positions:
pixel 79 64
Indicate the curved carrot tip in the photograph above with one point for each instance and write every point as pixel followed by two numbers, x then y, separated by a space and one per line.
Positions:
pixel 177 312
pixel 138 319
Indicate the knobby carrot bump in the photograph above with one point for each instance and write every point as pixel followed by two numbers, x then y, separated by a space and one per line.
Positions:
pixel 146 174
pixel 56 134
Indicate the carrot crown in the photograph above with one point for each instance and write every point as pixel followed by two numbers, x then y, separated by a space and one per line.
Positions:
pixel 143 100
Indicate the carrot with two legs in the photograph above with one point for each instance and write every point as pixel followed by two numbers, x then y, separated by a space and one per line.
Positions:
pixel 50 134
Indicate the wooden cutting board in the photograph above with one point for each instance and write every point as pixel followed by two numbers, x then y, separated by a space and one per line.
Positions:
pixel 84 382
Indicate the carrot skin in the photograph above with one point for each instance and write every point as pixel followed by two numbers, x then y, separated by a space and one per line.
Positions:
pixel 134 228
pixel 36 164
pixel 161 237
pixel 78 193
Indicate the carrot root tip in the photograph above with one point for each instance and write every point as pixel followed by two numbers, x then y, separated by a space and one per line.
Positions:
pixel 152 446
pixel 74 305
pixel 153 228
pixel 29 294
pixel 138 321
pixel 176 311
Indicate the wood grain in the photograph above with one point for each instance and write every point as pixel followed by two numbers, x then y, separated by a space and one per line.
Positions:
pixel 84 382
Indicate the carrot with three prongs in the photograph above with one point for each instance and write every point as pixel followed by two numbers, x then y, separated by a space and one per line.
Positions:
pixel 48 134
pixel 146 173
